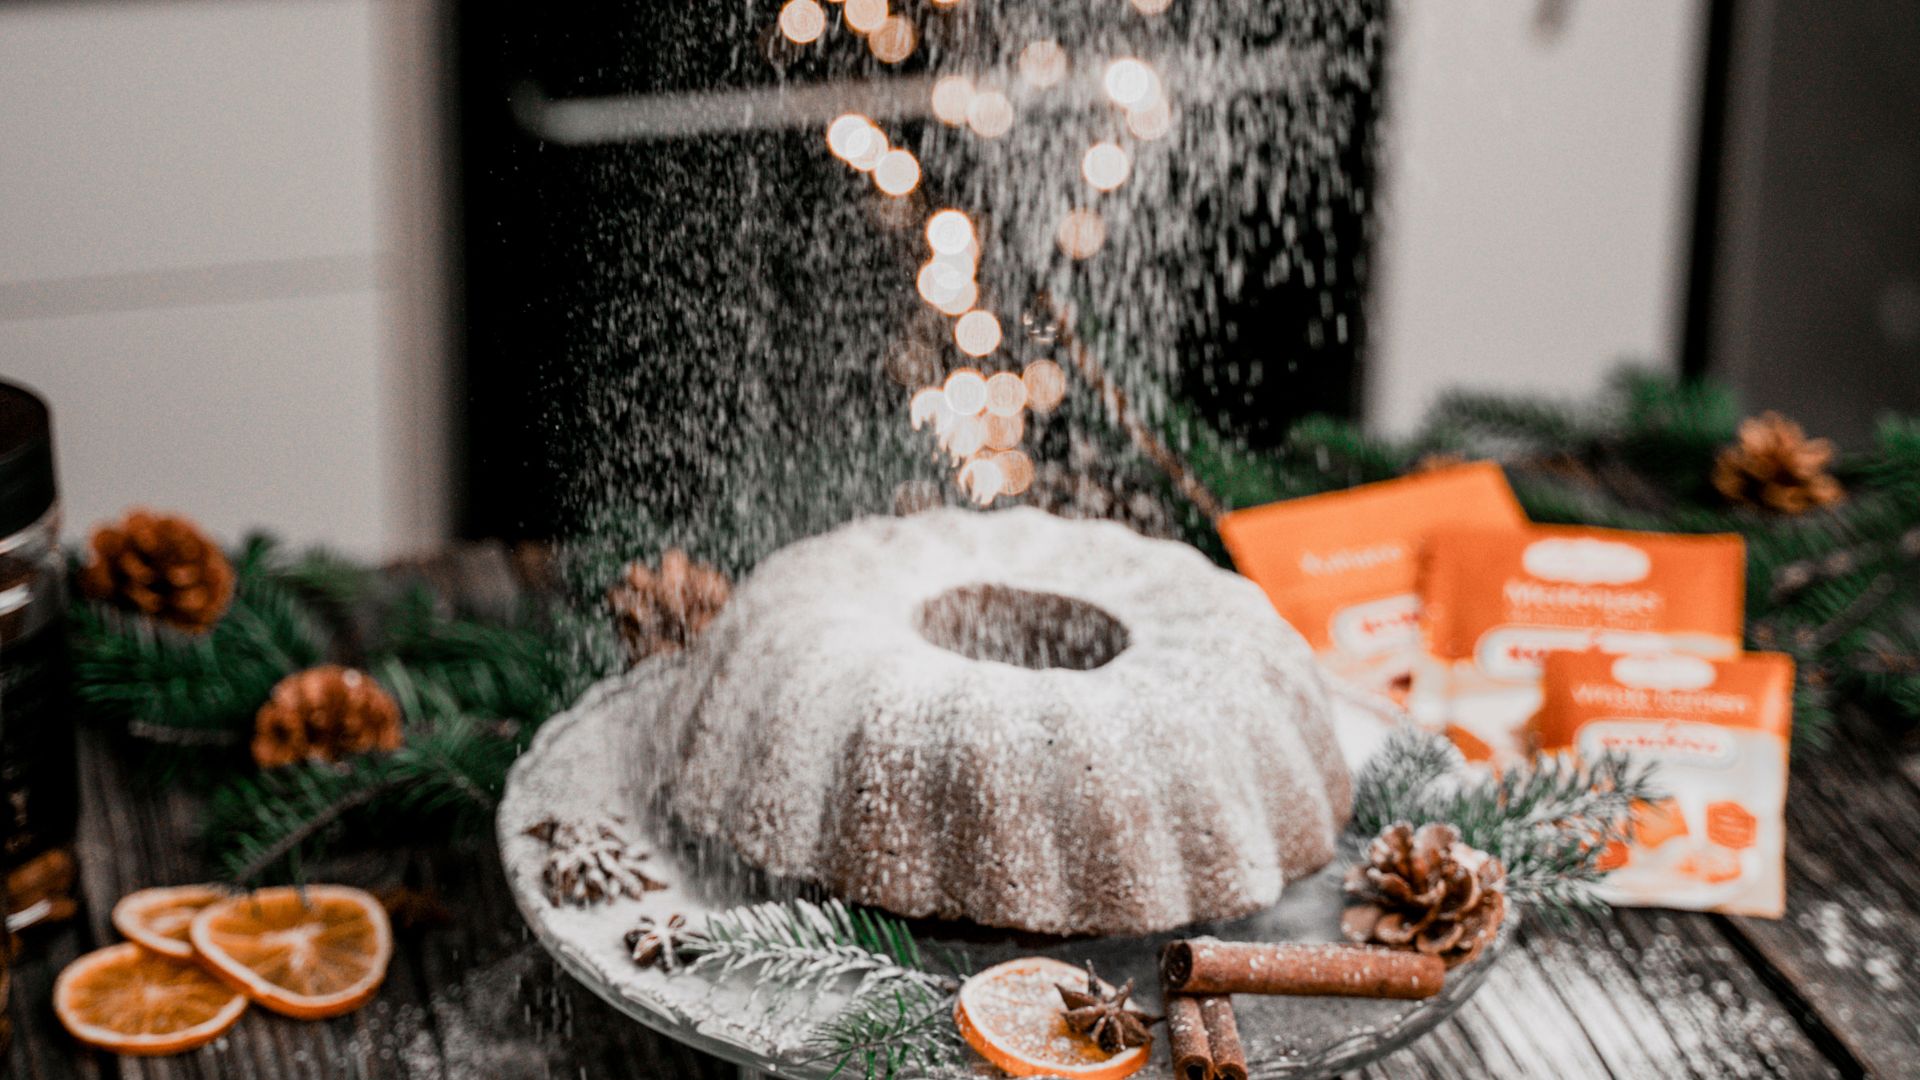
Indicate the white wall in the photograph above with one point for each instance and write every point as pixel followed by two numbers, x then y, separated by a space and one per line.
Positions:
pixel 213 262
pixel 1537 193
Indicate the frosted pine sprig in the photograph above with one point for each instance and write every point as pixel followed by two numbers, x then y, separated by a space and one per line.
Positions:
pixel 1547 821
pixel 797 944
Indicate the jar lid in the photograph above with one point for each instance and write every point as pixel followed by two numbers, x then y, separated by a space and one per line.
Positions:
pixel 26 459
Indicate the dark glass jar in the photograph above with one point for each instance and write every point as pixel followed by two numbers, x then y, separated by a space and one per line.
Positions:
pixel 38 784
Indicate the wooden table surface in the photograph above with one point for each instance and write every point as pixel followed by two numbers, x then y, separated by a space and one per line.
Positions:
pixel 1828 990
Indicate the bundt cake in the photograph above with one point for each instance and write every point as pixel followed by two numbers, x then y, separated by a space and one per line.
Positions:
pixel 1028 722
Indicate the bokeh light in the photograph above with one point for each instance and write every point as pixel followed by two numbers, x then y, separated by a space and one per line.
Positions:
pixel 912 363
pixel 1017 468
pixel 1081 233
pixel 978 334
pixel 802 21
pixel 1106 166
pixel 1151 120
pixel 927 407
pixel 1129 82
pixel 966 437
pixel 951 96
pixel 966 392
pixel 1043 64
pixel 1006 394
pixel 961 301
pixel 866 16
pixel 1003 432
pixel 990 114
pixel 1046 385
pixel 893 40
pixel 983 479
pixel 941 281
pixel 897 172
pixel 949 232
pixel 852 135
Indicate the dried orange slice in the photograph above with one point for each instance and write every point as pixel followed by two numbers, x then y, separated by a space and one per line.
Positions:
pixel 308 952
pixel 158 918
pixel 128 1000
pixel 1010 1013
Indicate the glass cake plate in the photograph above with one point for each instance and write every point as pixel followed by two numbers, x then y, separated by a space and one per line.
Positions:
pixel 581 766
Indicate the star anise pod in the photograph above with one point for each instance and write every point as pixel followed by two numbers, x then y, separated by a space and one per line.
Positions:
pixel 661 943
pixel 1102 1014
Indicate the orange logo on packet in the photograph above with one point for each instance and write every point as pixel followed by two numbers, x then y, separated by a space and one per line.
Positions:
pixel 1342 567
pixel 1730 825
pixel 1716 732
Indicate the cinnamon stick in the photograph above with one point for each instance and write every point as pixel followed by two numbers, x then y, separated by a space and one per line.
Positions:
pixel 1220 967
pixel 1223 1038
pixel 1187 1038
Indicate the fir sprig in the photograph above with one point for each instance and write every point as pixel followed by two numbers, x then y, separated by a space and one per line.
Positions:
pixel 798 944
pixel 1547 821
pixel 192 689
pixel 444 782
pixel 898 1016
pixel 900 1031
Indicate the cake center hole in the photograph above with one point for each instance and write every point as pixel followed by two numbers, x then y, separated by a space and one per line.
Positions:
pixel 1028 629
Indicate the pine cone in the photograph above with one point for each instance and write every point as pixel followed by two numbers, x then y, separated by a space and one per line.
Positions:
pixel 1774 465
pixel 1426 890
pixel 161 566
pixel 659 611
pixel 326 713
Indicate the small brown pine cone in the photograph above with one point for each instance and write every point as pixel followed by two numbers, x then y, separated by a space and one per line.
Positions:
pixel 327 713
pixel 161 566
pixel 660 611
pixel 1775 466
pixel 1425 890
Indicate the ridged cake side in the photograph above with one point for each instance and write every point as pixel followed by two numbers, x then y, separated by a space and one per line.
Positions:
pixel 821 736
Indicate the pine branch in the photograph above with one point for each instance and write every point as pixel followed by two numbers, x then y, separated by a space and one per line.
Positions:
pixel 445 781
pixel 1547 822
pixel 797 944
pixel 151 677
pixel 513 672
pixel 888 1032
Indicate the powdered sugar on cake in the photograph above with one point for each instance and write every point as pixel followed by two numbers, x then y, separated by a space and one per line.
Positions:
pixel 1008 717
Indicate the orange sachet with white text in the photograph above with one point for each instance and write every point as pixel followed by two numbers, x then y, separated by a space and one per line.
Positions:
pixel 1717 733
pixel 1498 601
pixel 1342 567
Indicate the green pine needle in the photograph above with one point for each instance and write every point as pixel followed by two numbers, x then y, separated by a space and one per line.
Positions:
pixel 176 687
pixel 798 944
pixel 1547 822
pixel 892 1032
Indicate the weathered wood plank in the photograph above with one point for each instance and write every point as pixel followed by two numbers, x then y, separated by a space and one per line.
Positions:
pixel 1634 994
pixel 1847 944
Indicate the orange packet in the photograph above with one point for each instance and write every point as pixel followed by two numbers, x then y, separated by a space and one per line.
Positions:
pixel 1498 601
pixel 1343 567
pixel 1717 732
